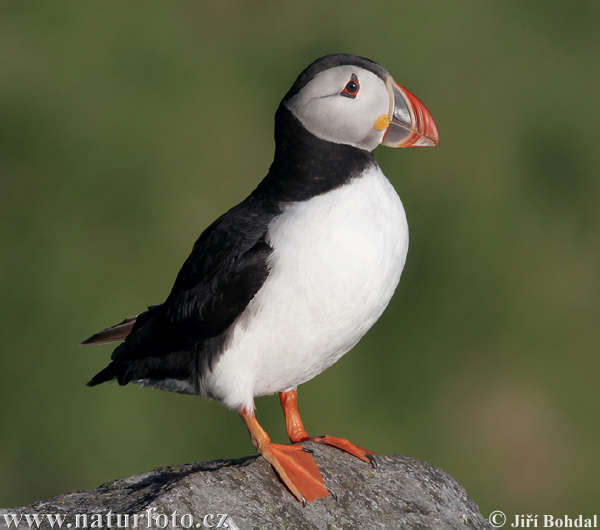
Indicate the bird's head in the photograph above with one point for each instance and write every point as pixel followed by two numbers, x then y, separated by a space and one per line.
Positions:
pixel 350 100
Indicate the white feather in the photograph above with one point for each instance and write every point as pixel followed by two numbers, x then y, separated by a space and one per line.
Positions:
pixel 336 262
pixel 328 116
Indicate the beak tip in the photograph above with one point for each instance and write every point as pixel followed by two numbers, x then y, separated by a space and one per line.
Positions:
pixel 419 130
pixel 425 132
pixel 433 136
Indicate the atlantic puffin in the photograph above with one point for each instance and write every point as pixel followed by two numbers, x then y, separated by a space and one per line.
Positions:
pixel 281 286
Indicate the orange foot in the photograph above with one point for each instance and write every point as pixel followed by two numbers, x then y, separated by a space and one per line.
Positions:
pixel 346 445
pixel 297 470
pixel 295 466
pixel 297 434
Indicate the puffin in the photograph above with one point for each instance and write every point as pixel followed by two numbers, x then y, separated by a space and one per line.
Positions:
pixel 281 286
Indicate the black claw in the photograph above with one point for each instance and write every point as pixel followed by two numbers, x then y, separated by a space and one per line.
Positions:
pixel 321 437
pixel 333 493
pixel 371 459
pixel 307 450
pixel 303 499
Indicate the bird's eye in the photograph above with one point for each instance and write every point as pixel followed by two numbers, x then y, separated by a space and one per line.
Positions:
pixel 351 88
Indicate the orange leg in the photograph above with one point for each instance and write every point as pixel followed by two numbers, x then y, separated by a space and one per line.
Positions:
pixel 296 467
pixel 297 434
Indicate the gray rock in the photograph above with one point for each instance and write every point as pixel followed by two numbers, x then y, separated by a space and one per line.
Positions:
pixel 400 493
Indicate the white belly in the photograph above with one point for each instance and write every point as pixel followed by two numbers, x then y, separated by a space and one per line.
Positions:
pixel 336 262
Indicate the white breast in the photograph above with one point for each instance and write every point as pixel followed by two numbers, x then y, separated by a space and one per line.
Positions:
pixel 336 262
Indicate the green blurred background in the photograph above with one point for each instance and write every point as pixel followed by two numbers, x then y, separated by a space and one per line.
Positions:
pixel 127 127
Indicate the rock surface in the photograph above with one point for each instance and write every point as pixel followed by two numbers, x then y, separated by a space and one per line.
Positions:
pixel 401 493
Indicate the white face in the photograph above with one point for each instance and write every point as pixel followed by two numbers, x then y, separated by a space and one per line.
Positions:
pixel 329 108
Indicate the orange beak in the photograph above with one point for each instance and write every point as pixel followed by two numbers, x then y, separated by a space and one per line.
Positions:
pixel 411 124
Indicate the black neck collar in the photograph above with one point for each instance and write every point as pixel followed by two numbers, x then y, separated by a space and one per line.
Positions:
pixel 305 166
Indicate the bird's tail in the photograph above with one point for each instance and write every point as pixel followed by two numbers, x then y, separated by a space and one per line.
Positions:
pixel 115 333
pixel 108 374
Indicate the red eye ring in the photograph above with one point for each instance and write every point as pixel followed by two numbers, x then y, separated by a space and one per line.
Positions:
pixel 352 87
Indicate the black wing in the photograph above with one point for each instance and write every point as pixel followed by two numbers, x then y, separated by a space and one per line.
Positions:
pixel 182 337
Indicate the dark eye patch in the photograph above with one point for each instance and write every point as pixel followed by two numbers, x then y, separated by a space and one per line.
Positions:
pixel 352 87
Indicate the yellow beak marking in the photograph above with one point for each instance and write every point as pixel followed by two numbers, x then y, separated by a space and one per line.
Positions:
pixel 382 123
